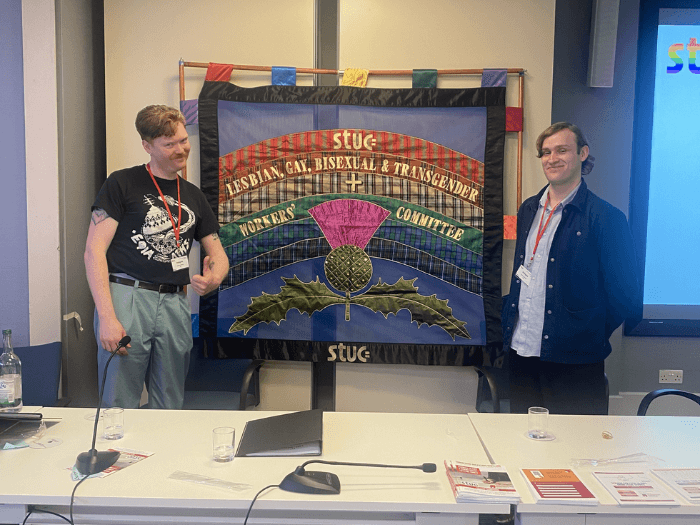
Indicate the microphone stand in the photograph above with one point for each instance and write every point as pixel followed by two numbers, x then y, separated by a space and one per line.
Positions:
pixel 92 461
pixel 310 482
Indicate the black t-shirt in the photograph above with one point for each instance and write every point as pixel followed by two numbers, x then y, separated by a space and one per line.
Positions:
pixel 144 244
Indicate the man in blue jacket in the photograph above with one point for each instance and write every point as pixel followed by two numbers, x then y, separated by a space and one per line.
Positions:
pixel 574 281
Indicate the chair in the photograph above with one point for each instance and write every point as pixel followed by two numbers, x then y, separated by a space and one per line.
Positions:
pixel 644 405
pixel 41 373
pixel 484 374
pixel 221 384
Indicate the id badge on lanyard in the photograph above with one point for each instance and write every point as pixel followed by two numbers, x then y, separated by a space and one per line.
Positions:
pixel 523 273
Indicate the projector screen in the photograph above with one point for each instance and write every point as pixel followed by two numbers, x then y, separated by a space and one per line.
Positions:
pixel 666 180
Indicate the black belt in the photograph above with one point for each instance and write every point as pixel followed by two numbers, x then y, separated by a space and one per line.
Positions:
pixel 161 288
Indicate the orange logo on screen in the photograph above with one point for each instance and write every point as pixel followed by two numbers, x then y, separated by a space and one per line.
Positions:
pixel 692 47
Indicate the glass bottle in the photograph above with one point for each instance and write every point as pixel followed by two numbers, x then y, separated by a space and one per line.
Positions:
pixel 10 376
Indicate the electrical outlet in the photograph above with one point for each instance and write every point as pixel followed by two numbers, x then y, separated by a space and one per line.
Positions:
pixel 671 376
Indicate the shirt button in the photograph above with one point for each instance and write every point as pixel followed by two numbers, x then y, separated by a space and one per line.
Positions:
pixel 552 259
pixel 549 312
pixel 522 256
pixel 550 286
pixel 517 281
pixel 512 305
pixel 578 233
pixel 546 337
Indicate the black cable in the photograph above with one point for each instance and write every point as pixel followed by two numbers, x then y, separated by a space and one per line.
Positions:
pixel 256 497
pixel 34 509
pixel 72 498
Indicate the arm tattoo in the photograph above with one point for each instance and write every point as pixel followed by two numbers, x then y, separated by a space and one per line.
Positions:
pixel 215 236
pixel 98 216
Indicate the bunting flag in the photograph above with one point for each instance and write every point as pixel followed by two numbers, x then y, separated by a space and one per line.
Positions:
pixel 494 78
pixel 189 110
pixel 361 225
pixel 284 76
pixel 355 77
pixel 219 72
pixel 425 78
pixel 514 118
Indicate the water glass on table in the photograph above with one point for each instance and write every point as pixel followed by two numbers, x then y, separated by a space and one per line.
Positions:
pixel 113 423
pixel 537 420
pixel 223 438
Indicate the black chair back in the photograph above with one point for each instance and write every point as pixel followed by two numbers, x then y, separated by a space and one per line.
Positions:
pixel 644 405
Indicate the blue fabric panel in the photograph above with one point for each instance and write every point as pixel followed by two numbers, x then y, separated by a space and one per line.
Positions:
pixel 244 123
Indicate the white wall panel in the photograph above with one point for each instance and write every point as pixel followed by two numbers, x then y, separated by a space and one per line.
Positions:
pixel 41 139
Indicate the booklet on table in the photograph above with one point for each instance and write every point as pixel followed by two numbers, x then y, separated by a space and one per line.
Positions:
pixel 558 486
pixel 635 488
pixel 480 483
pixel 685 481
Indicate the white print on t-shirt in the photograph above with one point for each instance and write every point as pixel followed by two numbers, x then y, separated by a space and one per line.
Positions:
pixel 157 238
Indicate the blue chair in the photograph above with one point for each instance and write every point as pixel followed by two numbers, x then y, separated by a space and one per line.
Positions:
pixel 221 384
pixel 41 373
pixel 644 405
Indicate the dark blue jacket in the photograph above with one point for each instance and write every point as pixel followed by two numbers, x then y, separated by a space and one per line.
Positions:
pixel 592 279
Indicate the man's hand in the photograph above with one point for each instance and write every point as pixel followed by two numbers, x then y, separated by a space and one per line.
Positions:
pixel 111 332
pixel 214 267
pixel 207 282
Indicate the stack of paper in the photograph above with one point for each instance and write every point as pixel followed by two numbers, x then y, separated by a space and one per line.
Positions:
pixel 480 483
pixel 558 486
pixel 635 488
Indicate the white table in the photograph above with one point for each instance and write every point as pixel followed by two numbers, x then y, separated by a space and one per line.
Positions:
pixel 181 440
pixel 674 440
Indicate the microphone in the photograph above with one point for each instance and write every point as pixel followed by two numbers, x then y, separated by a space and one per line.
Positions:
pixel 328 483
pixel 92 461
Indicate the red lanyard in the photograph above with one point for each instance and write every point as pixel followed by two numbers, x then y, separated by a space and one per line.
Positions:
pixel 540 229
pixel 176 227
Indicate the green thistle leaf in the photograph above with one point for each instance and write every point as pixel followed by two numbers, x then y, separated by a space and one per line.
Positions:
pixel 295 294
pixel 381 297
pixel 424 309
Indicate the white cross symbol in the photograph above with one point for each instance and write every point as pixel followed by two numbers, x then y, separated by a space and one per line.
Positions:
pixel 353 182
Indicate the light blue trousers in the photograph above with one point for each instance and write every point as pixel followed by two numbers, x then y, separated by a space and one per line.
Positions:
pixel 160 328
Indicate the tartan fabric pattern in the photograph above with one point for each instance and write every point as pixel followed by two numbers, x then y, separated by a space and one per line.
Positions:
pixel 335 183
pixel 274 259
pixel 436 246
pixel 273 239
pixel 394 251
pixel 299 231
pixel 379 248
pixel 308 143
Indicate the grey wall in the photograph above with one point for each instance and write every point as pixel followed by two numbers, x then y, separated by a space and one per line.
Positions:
pixel 606 116
pixel 82 170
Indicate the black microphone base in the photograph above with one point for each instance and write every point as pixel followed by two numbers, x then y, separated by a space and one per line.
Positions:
pixel 91 462
pixel 311 483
